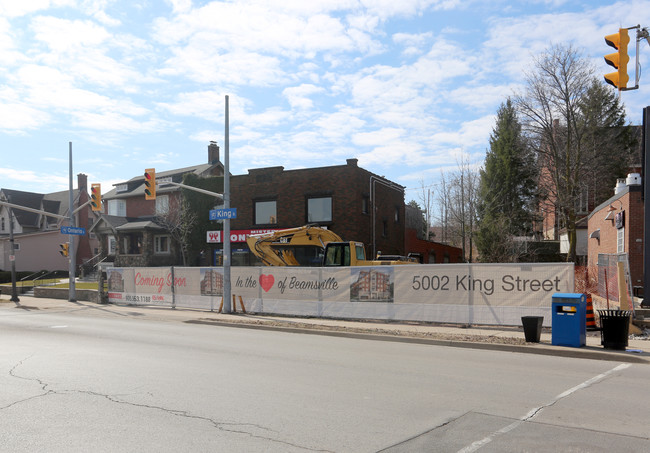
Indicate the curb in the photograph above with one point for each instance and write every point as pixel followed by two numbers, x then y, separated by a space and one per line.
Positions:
pixel 586 352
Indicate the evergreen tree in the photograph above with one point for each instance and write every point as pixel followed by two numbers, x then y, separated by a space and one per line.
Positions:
pixel 506 189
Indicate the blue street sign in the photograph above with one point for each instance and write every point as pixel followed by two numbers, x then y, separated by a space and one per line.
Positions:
pixel 78 231
pixel 218 214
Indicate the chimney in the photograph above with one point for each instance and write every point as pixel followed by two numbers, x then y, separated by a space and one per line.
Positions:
pixel 352 162
pixel 82 182
pixel 213 153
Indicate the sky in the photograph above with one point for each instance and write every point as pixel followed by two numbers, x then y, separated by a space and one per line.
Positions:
pixel 410 88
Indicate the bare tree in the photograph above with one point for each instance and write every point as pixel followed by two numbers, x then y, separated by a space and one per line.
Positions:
pixel 426 199
pixel 457 200
pixel 562 111
pixel 179 221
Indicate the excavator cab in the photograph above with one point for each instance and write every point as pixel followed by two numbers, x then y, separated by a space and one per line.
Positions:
pixel 337 254
pixel 344 254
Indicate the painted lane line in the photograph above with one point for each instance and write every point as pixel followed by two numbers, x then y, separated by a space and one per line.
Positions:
pixel 589 382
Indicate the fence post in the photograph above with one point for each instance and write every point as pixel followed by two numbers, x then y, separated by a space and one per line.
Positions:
pixel 173 290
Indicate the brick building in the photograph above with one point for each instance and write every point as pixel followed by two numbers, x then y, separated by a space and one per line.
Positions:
pixel 616 226
pixel 354 203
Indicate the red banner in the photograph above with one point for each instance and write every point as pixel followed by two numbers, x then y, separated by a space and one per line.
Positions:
pixel 215 237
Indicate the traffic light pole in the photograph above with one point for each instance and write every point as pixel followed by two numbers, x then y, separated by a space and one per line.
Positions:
pixel 72 256
pixel 14 293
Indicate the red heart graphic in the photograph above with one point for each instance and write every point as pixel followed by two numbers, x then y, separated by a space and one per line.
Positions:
pixel 267 282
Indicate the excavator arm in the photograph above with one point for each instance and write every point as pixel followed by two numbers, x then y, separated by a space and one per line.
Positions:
pixel 301 246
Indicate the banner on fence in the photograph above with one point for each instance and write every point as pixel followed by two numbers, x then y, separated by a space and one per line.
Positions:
pixel 487 289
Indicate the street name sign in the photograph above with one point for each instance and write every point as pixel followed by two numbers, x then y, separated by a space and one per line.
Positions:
pixel 218 214
pixel 77 231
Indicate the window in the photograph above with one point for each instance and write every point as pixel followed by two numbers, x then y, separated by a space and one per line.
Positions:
pixel 365 203
pixel 396 214
pixel 162 204
pixel 319 209
pixel 3 224
pixel 132 244
pixel 620 240
pixel 112 245
pixel 161 245
pixel 117 208
pixel 266 212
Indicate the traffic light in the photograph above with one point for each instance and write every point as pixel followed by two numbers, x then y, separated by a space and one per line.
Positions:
pixel 618 59
pixel 65 249
pixel 150 184
pixel 96 197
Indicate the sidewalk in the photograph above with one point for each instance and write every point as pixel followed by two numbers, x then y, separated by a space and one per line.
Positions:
pixel 503 338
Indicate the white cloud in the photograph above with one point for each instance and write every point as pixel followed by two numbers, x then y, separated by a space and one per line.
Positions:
pixel 298 97
pixel 13 8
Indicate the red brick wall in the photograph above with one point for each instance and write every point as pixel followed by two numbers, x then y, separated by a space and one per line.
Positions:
pixel 630 202
pixel 347 184
pixel 426 248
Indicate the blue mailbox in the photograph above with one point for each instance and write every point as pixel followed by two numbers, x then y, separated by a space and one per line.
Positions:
pixel 569 319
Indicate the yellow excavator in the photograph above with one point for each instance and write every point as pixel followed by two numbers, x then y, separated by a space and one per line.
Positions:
pixel 311 245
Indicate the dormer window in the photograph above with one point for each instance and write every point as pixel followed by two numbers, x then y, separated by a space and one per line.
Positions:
pixel 121 187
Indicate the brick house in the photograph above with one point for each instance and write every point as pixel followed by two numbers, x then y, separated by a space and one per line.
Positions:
pixel 616 226
pixel 130 235
pixel 347 199
pixel 37 237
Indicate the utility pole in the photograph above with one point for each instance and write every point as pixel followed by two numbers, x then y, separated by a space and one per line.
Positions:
pixel 71 256
pixel 226 222
pixel 12 257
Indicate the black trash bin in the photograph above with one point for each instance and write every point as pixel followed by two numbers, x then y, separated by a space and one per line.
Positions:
pixel 532 328
pixel 615 328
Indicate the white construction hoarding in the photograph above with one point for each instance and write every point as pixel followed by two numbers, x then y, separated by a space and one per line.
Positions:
pixel 456 293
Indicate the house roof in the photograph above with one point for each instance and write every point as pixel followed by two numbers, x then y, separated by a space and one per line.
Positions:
pixel 120 224
pixel 56 203
pixel 620 194
pixel 140 225
pixel 135 185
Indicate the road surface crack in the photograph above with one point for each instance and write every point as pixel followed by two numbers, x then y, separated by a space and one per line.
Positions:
pixel 14 374
pixel 229 427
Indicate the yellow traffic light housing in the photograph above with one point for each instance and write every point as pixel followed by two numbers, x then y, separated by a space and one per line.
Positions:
pixel 618 59
pixel 150 184
pixel 96 197
pixel 65 249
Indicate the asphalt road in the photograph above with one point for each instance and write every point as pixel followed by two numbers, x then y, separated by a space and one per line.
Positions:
pixel 108 380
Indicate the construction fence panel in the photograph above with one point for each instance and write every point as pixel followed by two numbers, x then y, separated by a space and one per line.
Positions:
pixel 493 294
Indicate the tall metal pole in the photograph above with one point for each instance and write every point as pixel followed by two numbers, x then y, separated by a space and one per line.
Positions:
pixel 12 255
pixel 226 222
pixel 71 249
pixel 646 208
